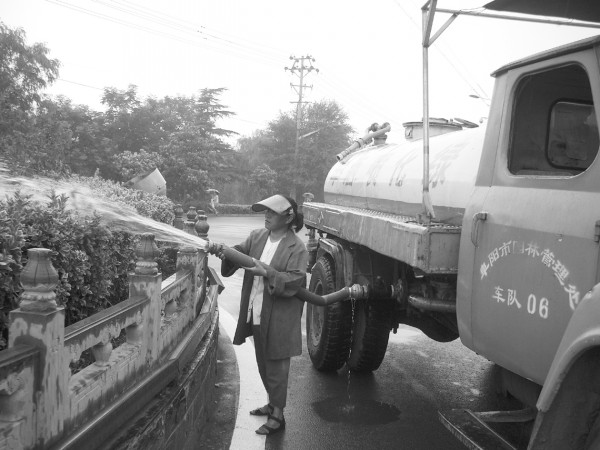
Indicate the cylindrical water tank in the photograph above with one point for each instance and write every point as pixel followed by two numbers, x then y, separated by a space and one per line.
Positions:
pixel 389 178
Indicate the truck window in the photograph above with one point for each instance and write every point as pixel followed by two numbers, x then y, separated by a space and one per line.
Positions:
pixel 555 130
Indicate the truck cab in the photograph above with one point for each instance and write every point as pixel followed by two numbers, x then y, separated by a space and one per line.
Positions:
pixel 529 243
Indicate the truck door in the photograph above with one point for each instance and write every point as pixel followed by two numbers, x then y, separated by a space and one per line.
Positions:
pixel 535 250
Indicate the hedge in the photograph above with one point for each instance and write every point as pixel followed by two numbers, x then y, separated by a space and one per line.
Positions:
pixel 92 262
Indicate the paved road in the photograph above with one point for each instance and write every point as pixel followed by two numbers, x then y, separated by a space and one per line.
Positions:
pixel 393 408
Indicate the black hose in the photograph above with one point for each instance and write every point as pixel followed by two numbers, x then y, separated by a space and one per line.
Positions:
pixel 303 294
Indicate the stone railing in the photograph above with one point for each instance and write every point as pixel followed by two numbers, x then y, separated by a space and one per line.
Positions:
pixel 165 323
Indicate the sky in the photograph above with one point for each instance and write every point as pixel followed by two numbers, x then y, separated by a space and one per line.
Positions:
pixel 369 54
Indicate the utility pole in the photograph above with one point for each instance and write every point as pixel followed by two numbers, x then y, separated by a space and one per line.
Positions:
pixel 302 66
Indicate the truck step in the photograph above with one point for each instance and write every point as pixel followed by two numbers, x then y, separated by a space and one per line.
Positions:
pixel 469 427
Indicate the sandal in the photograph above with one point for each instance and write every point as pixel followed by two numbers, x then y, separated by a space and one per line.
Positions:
pixel 261 411
pixel 267 430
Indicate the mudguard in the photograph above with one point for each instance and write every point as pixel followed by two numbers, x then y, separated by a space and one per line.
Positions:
pixel 581 334
pixel 341 258
pixel 575 365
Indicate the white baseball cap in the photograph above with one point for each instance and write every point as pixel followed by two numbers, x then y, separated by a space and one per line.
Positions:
pixel 277 203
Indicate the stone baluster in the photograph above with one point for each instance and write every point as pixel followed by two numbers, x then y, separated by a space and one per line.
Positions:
pixel 178 221
pixel 191 215
pixel 102 352
pixel 146 281
pixel 134 333
pixel 202 225
pixel 40 323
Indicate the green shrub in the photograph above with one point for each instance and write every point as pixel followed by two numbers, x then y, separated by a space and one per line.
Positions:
pixel 92 262
pixel 234 209
pixel 149 205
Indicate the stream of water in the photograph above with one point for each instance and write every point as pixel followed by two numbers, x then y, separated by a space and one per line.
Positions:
pixel 114 215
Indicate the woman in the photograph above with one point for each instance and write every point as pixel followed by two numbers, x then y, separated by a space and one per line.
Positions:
pixel 269 309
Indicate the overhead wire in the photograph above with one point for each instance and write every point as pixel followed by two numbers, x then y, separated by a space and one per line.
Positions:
pixel 79 84
pixel 191 30
pixel 363 109
pixel 439 47
pixel 352 92
pixel 191 33
pixel 207 44
pixel 202 29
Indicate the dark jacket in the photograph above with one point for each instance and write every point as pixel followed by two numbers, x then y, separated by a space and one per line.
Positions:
pixel 281 310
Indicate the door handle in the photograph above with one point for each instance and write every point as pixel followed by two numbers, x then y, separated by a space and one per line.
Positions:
pixel 477 218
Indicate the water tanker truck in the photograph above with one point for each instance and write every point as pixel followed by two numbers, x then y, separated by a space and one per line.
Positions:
pixel 490 234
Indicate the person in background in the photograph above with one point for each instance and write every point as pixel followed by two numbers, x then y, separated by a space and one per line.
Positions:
pixel 214 200
pixel 269 308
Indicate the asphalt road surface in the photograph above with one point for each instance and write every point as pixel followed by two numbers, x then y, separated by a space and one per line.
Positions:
pixel 395 407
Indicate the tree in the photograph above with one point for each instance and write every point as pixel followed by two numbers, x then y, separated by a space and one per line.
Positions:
pixel 324 133
pixel 24 71
pixel 262 179
pixel 131 164
pixel 195 157
pixel 54 137
pixel 186 164
pixel 176 134
pixel 84 151
pixel 122 128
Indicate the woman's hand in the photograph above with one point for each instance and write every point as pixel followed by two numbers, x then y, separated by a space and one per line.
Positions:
pixel 219 254
pixel 259 268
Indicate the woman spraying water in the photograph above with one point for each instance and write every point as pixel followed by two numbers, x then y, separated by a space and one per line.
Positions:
pixel 275 261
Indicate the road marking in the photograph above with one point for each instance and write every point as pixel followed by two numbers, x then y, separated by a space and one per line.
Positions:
pixel 252 393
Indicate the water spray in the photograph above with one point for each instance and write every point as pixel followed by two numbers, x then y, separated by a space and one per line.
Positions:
pixel 118 216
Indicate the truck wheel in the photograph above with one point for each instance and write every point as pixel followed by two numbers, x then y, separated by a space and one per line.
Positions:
pixel 328 328
pixel 370 335
pixel 593 439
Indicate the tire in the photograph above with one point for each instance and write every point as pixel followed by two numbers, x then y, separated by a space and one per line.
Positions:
pixel 593 438
pixel 370 335
pixel 328 328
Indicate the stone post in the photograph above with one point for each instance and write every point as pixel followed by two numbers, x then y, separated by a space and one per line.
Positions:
pixel 40 323
pixel 178 221
pixel 188 226
pixel 202 225
pixel 187 257
pixel 202 228
pixel 146 281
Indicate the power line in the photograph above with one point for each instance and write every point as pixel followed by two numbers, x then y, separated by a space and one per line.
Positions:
pixel 79 84
pixel 179 25
pixel 478 89
pixel 208 41
pixel 195 28
pixel 352 96
pixel 200 36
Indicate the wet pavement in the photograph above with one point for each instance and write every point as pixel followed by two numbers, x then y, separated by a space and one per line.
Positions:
pixel 219 431
pixel 395 407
